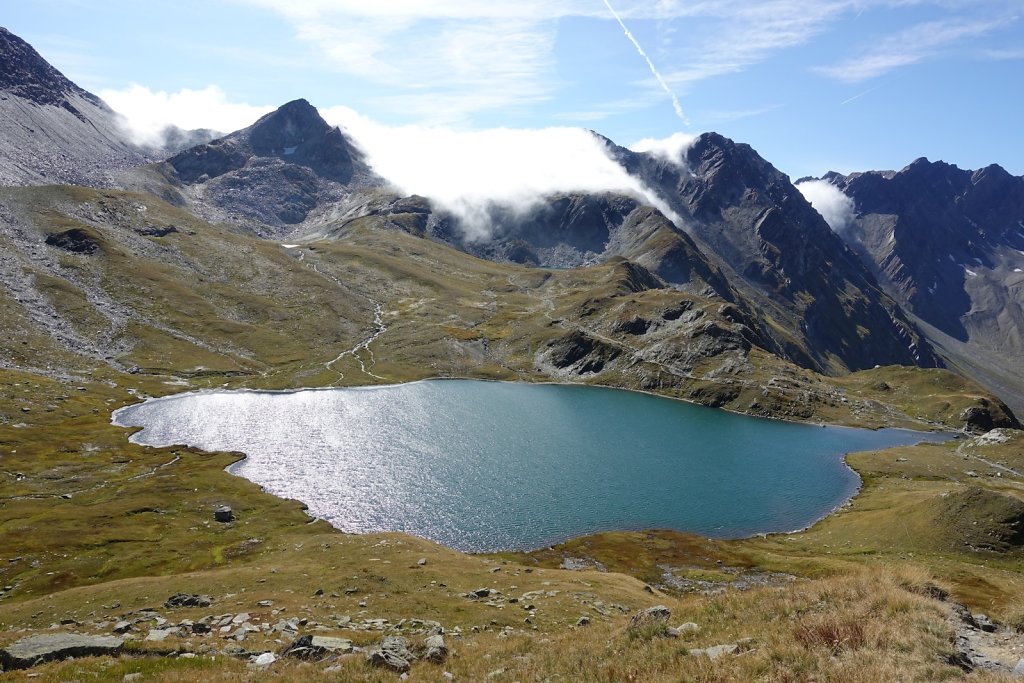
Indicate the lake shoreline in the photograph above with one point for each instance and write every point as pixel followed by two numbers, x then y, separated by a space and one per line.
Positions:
pixel 235 467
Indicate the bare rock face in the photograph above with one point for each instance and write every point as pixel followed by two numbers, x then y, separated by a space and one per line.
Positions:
pixel 581 353
pixel 569 230
pixel 317 647
pixel 51 130
pixel 34 650
pixel 932 228
pixel 27 75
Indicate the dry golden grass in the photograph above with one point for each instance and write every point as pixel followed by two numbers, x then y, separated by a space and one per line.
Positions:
pixel 862 627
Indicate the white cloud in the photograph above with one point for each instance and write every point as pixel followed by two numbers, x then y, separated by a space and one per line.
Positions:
pixel 473 56
pixel 673 148
pixel 835 207
pixel 147 112
pixel 467 171
pixel 915 44
pixel 744 33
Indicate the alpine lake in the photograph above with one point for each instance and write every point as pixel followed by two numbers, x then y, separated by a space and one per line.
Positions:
pixel 487 466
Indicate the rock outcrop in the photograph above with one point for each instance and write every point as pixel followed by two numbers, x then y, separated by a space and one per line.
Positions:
pixel 49 647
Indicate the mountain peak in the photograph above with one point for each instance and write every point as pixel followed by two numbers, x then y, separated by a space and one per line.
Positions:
pixel 287 127
pixel 24 73
pixel 277 170
pixel 294 133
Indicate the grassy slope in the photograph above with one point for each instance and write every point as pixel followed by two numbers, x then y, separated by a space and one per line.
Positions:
pixel 89 519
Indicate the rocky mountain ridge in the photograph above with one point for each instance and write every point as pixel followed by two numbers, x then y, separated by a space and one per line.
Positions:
pixel 948 244
pixel 52 130
pixel 778 251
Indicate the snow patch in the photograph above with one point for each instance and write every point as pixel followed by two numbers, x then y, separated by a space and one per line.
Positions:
pixel 289 246
pixel 289 150
pixel 970 272
pixel 1018 270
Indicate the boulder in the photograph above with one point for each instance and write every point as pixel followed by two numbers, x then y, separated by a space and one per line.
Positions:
pixel 158 635
pixel 224 514
pixel 391 653
pixel 716 651
pixel 317 647
pixel 34 650
pixel 436 649
pixel 188 600
pixel 263 661
pixel 76 240
pixel 688 627
pixel 650 615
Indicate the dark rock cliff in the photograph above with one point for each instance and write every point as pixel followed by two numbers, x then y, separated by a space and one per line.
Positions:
pixel 948 242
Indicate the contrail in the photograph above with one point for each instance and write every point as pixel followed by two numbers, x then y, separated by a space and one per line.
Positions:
pixel 650 65
pixel 859 95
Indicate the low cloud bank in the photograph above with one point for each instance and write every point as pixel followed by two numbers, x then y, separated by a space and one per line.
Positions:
pixel 146 113
pixel 468 172
pixel 673 148
pixel 835 207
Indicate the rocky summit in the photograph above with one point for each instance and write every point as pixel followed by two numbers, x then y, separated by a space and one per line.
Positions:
pixel 275 173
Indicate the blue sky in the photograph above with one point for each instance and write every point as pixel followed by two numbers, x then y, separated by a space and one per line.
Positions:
pixel 813 86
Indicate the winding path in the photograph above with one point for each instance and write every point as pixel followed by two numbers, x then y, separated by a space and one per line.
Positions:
pixel 990 463
pixel 101 485
pixel 364 344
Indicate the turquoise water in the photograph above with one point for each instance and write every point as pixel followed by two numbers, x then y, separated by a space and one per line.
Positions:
pixel 482 466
